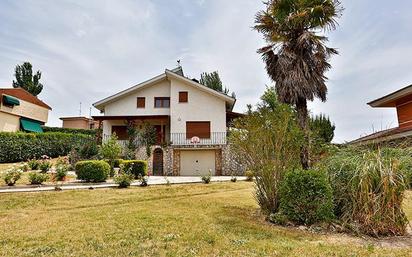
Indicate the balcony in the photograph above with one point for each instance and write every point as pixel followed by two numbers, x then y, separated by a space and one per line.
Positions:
pixel 183 139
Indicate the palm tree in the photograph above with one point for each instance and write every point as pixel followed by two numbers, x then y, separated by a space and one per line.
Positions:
pixel 296 56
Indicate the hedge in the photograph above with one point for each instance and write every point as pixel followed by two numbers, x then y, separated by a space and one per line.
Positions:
pixel 306 197
pixel 20 146
pixel 136 167
pixel 90 132
pixel 92 171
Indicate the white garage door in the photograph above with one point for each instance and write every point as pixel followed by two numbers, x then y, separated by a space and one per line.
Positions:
pixel 197 162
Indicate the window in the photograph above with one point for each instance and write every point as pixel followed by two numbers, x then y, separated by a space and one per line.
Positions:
pixel 121 132
pixel 199 129
pixel 183 97
pixel 162 102
pixel 141 102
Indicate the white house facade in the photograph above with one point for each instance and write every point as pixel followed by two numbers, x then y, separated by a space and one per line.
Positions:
pixel 190 119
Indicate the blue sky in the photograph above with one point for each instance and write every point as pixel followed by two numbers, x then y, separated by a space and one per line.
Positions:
pixel 88 50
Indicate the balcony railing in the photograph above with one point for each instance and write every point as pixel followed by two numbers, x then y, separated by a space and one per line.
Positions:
pixel 183 139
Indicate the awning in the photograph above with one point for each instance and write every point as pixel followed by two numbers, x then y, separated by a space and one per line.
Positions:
pixel 30 126
pixel 9 100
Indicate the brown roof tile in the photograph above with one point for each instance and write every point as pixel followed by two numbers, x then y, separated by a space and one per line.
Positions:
pixel 22 94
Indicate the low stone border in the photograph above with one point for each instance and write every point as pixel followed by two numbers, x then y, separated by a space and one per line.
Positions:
pixel 153 180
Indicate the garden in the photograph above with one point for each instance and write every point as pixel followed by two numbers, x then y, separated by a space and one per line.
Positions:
pixel 66 156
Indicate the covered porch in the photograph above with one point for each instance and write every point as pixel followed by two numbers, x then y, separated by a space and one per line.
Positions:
pixel 119 125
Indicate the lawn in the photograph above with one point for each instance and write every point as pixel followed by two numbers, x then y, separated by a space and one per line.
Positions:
pixel 220 219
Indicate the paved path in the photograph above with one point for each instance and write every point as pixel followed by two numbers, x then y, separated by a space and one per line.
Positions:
pixel 153 180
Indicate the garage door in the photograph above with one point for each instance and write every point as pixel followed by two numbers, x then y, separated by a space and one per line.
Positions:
pixel 197 163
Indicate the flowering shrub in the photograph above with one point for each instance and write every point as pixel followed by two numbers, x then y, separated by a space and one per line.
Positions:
pixel 12 175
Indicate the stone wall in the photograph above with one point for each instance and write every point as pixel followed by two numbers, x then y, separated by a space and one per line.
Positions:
pixel 232 164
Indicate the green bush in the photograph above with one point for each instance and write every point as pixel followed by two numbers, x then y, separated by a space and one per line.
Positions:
pixel 306 197
pixel 116 162
pixel 206 178
pixel 124 180
pixel 33 164
pixel 92 171
pixel 20 146
pixel 12 176
pixel 136 167
pixel 45 165
pixel 89 132
pixel 249 175
pixel 37 178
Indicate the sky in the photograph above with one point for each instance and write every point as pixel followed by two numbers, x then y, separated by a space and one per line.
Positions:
pixel 88 50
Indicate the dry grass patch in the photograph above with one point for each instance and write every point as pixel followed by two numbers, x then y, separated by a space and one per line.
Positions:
pixel 220 219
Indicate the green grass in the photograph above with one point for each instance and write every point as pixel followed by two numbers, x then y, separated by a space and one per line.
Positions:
pixel 220 219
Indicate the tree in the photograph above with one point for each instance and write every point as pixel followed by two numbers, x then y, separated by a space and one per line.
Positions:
pixel 213 81
pixel 296 56
pixel 110 150
pixel 322 127
pixel 268 139
pixel 26 80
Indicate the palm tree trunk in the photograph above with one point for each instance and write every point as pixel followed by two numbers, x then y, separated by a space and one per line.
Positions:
pixel 302 113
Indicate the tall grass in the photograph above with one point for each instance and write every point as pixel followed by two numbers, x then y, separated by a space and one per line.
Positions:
pixel 369 187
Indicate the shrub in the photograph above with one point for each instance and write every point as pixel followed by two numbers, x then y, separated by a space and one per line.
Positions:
pixel 89 132
pixel 369 186
pixel 110 150
pixel 12 176
pixel 45 165
pixel 306 197
pixel 20 146
pixel 233 179
pixel 24 167
pixel 33 164
pixel 144 181
pixel 206 178
pixel 124 180
pixel 92 171
pixel 136 167
pixel 269 141
pixel 88 150
pixel 249 175
pixel 37 178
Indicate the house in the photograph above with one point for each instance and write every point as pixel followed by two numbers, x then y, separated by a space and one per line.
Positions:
pixel 20 110
pixel 79 123
pixel 402 101
pixel 190 119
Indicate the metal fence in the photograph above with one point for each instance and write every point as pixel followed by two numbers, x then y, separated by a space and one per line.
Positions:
pixel 183 139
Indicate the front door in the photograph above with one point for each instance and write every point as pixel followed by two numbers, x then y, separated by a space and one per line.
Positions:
pixel 158 162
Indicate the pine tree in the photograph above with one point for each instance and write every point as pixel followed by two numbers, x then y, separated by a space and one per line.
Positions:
pixel 26 80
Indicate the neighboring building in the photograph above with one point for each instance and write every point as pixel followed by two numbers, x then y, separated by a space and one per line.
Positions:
pixel 402 101
pixel 190 119
pixel 79 123
pixel 20 110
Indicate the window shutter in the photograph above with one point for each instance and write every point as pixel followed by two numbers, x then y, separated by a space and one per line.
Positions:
pixel 183 97
pixel 141 102
pixel 199 129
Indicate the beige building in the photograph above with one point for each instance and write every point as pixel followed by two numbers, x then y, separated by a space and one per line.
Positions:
pixel 20 110
pixel 190 119
pixel 79 123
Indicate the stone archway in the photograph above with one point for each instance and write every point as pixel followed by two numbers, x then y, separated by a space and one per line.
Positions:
pixel 158 162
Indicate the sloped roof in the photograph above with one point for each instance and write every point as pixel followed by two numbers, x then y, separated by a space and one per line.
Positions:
pixel 389 100
pixel 22 94
pixel 384 135
pixel 176 73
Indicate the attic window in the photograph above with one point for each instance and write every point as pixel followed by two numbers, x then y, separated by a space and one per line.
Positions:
pixel 141 102
pixel 183 97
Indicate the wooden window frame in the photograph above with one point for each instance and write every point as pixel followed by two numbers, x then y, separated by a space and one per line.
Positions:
pixel 143 100
pixel 183 96
pixel 200 134
pixel 162 102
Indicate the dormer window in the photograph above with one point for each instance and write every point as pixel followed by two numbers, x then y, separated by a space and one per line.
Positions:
pixel 162 102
